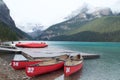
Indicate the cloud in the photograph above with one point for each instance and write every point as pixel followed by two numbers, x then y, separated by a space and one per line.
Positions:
pixel 48 12
pixel 113 4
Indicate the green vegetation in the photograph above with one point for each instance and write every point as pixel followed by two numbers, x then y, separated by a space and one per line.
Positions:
pixel 90 37
pixel 100 29
pixel 101 25
pixel 6 33
pixel 65 28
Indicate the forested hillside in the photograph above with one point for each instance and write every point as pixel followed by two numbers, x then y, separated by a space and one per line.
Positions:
pixel 101 25
pixel 8 29
pixel 101 29
pixel 106 28
pixel 6 33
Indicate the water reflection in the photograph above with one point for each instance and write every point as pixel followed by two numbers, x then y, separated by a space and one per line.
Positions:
pixel 58 75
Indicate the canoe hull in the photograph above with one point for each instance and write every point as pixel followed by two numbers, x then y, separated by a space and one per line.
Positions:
pixel 69 70
pixel 32 71
pixel 31 45
pixel 22 64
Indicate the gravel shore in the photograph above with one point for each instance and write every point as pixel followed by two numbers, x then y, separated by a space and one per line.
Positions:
pixel 7 72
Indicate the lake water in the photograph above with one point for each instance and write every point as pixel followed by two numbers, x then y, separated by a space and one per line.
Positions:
pixel 107 67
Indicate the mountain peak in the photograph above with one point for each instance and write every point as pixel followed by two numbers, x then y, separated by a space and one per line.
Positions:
pixel 91 13
pixel 76 24
pixel 87 13
pixel 102 12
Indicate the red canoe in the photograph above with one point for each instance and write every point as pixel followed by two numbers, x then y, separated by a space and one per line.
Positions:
pixel 73 65
pixel 32 45
pixel 45 67
pixel 22 64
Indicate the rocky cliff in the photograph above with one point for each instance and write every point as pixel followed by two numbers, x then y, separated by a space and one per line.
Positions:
pixel 6 18
pixel 5 14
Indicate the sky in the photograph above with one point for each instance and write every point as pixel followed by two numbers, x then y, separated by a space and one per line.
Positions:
pixel 49 12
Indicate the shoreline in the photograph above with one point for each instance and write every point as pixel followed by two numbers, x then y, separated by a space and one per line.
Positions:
pixel 6 71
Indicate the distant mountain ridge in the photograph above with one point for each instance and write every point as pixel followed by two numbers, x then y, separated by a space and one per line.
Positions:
pixel 36 30
pixel 7 21
pixel 99 25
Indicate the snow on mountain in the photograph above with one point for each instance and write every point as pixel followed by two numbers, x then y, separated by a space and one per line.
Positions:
pixel 30 27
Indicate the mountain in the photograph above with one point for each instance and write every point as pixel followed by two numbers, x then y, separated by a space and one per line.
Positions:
pixel 36 30
pixel 6 33
pixel 6 22
pixel 98 25
pixel 32 29
pixel 35 34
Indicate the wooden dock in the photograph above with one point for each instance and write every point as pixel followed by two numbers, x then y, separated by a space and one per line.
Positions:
pixel 9 47
pixel 90 56
pixel 31 54
pixel 9 50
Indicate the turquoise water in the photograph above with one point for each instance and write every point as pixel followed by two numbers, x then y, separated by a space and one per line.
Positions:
pixel 107 67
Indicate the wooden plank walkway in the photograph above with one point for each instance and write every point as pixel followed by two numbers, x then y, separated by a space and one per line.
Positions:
pixel 90 56
pixel 9 50
pixel 37 53
pixel 52 54
pixel 9 47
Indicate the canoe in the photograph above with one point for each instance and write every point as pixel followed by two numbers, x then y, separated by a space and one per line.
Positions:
pixel 45 66
pixel 73 64
pixel 21 63
pixel 17 65
pixel 31 45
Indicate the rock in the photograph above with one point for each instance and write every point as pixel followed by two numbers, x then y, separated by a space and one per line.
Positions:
pixel 7 19
pixel 5 14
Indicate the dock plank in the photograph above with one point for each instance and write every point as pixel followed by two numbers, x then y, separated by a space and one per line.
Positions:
pixel 47 52
pixel 10 50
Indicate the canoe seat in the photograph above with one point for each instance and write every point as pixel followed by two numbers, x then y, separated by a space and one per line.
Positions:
pixel 72 62
pixel 48 62
pixel 62 58
pixel 43 59
pixel 76 58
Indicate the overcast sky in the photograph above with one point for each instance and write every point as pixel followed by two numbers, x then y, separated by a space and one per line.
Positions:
pixel 48 12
